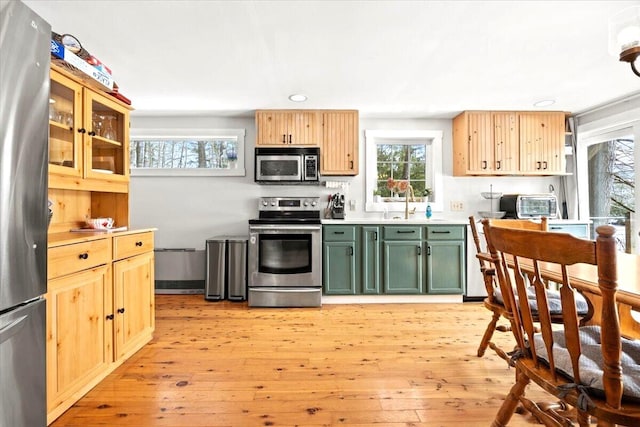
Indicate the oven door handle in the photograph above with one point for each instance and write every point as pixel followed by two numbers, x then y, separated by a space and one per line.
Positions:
pixel 285 290
pixel 285 228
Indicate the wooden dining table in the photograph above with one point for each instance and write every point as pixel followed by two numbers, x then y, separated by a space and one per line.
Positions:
pixel 584 278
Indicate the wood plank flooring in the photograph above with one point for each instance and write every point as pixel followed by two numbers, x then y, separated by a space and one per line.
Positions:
pixel 222 364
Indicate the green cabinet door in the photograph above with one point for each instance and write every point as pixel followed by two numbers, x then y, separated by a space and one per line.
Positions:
pixel 339 268
pixel 445 266
pixel 402 261
pixel 370 253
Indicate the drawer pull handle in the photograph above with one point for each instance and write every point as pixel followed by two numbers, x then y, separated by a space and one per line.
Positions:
pixel 138 243
pixel 429 250
pixel 351 250
pixel 110 316
pixel 121 310
pixel 83 256
pixel 441 232
pixel 375 235
pixel 406 231
pixel 338 232
pixel 419 250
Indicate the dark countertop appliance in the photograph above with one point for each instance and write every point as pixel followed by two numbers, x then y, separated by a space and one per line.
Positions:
pixel 529 205
pixel 287 165
pixel 285 253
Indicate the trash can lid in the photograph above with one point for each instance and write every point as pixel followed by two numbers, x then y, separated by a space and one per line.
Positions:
pixel 228 238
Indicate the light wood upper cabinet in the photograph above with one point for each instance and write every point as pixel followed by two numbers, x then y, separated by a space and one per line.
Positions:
pixel 508 143
pixel 288 127
pixel 542 143
pixel 89 137
pixel 339 149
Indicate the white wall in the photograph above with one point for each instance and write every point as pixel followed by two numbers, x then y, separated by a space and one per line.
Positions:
pixel 188 210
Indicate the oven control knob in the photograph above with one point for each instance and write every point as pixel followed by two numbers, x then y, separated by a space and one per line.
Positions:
pixel 314 203
pixel 265 203
pixel 306 203
pixel 273 203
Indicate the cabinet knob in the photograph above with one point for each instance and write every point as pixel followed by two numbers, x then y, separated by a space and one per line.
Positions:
pixel 82 130
pixel 351 163
pixel 91 133
pixel 110 316
pixel 289 138
pixel 284 138
pixel 544 165
pixel 484 164
pixel 538 165
pixel 121 310
pixel 83 256
pixel 138 243
pixel 419 250
pixel 498 165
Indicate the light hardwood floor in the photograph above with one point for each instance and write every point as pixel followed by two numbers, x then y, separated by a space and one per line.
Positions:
pixel 222 364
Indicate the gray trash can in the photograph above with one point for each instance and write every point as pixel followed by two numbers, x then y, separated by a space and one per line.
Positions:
pixel 226 268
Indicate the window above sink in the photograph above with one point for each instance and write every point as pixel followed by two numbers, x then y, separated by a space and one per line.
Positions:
pixel 412 155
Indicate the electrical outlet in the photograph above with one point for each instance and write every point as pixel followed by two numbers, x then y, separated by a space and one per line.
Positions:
pixel 352 205
pixel 457 206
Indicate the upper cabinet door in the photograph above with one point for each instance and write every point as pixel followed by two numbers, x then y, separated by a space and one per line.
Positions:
pixel 107 123
pixel 65 126
pixel 339 149
pixel 542 143
pixel 288 127
pixel 506 143
pixel 481 160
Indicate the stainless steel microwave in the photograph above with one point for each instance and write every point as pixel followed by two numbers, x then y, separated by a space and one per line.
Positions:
pixel 529 205
pixel 290 165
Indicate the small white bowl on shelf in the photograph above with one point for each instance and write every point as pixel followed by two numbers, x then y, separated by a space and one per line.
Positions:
pixel 99 223
pixel 494 214
pixel 490 195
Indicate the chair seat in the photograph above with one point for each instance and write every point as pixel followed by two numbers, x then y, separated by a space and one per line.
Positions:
pixel 553 298
pixel 591 363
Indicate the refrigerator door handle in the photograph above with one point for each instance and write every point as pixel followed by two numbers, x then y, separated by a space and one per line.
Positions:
pixel 12 328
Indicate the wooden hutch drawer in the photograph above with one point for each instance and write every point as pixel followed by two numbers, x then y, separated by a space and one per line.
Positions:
pixel 132 244
pixel 63 260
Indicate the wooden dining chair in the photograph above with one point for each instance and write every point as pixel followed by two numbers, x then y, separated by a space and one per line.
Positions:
pixel 494 301
pixel 591 368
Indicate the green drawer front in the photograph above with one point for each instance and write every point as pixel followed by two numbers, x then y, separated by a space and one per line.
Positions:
pixel 445 232
pixel 402 233
pixel 339 233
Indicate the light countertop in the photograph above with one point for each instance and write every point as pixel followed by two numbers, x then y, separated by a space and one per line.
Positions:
pixel 423 221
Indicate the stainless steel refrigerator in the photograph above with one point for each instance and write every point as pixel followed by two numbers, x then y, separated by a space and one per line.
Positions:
pixel 24 103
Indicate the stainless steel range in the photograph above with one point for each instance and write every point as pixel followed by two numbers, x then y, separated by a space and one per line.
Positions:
pixel 285 253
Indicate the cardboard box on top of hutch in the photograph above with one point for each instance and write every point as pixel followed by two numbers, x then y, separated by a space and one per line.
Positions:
pixel 89 74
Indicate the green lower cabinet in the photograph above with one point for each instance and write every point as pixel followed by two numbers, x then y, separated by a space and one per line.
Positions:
pixel 398 259
pixel 370 255
pixel 445 266
pixel 402 264
pixel 339 268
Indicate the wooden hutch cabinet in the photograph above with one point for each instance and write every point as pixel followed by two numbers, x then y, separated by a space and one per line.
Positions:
pixel 100 290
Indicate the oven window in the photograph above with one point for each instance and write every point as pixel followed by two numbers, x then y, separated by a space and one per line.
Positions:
pixel 285 254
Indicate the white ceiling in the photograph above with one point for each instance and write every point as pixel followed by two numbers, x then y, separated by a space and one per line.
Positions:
pixel 407 59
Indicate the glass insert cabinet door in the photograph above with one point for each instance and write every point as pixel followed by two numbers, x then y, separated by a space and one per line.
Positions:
pixel 107 125
pixel 65 122
pixel 88 132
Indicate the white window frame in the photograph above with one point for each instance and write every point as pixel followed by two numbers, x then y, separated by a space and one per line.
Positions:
pixel 192 134
pixel 375 137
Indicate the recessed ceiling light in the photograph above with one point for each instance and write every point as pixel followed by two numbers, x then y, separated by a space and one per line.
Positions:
pixel 544 103
pixel 297 97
